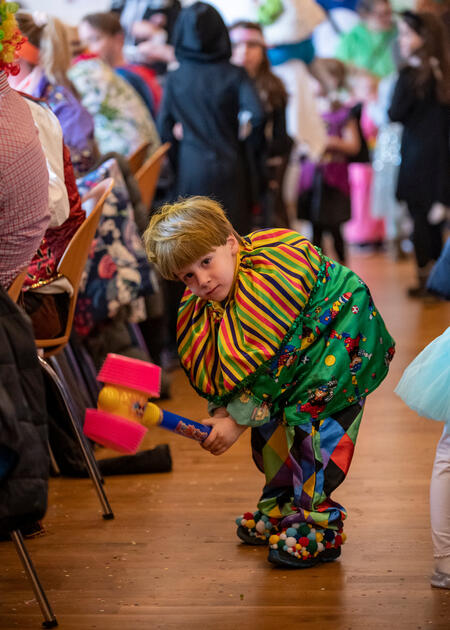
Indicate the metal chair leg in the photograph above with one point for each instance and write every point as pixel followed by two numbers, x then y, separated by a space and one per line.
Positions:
pixel 89 459
pixel 87 368
pixel 47 612
pixel 76 405
pixel 72 406
pixel 75 369
pixel 54 468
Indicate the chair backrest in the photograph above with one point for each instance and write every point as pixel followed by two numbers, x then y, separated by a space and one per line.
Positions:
pixel 74 259
pixel 136 159
pixel 147 176
pixel 16 285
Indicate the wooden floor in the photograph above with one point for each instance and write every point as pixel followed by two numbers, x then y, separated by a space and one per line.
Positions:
pixel 170 559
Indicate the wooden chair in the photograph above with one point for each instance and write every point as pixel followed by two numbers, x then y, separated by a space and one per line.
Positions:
pixel 73 261
pixel 147 176
pixel 16 285
pixel 72 266
pixel 136 159
pixel 16 535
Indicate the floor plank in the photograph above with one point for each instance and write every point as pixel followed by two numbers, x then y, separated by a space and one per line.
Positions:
pixel 170 559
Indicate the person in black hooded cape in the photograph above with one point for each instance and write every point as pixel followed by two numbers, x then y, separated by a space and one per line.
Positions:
pixel 208 96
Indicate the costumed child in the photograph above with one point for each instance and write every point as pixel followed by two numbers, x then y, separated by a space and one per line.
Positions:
pixel 425 387
pixel 280 338
pixel 324 197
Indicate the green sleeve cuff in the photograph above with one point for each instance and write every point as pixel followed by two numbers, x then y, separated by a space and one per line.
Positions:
pixel 247 410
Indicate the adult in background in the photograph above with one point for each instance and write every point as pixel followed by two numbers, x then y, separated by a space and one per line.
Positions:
pixel 421 102
pixel 24 213
pixel 81 91
pixel 204 100
pixel 44 61
pixel 148 26
pixel 122 122
pixel 103 35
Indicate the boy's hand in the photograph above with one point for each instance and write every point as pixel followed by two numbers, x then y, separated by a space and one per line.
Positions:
pixel 224 433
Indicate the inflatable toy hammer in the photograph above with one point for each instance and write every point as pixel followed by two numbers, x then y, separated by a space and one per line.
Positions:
pixel 123 412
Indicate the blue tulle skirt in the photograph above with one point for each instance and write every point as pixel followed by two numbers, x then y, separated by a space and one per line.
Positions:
pixel 425 384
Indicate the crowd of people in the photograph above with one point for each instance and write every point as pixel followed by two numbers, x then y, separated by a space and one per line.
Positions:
pixel 348 134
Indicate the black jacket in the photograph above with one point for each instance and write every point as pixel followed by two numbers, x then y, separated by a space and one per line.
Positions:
pixel 24 460
pixel 206 94
pixel 425 167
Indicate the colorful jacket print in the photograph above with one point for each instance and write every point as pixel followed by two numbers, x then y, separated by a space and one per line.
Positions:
pixel 298 338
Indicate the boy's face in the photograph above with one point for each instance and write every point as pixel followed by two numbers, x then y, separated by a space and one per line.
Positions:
pixel 211 276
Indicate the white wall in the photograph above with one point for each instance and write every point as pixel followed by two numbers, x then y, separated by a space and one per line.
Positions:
pixel 70 11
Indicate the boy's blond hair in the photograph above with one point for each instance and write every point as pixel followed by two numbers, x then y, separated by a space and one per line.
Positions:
pixel 180 233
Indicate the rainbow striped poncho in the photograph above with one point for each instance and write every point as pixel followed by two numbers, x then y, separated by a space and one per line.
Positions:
pixel 298 336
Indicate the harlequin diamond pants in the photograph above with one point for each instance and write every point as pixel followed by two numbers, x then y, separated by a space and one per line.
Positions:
pixel 303 465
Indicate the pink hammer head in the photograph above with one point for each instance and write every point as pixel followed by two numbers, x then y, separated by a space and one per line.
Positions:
pixel 140 375
pixel 113 431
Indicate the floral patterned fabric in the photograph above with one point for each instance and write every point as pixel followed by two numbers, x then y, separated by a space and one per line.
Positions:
pixel 117 271
pixel 43 268
pixel 76 123
pixel 121 119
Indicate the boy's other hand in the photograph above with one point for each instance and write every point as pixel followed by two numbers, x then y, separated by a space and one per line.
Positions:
pixel 225 432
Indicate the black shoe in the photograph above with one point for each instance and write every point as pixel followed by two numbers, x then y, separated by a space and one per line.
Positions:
pixel 285 559
pixel 242 533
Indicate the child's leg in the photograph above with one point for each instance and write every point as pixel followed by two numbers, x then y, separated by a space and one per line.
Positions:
pixel 303 465
pixel 339 244
pixel 270 453
pixel 317 234
pixel 440 506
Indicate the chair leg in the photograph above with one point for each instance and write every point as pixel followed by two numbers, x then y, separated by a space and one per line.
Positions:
pixel 78 404
pixel 47 612
pixel 54 468
pixel 75 368
pixel 89 459
pixel 87 368
pixel 72 406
